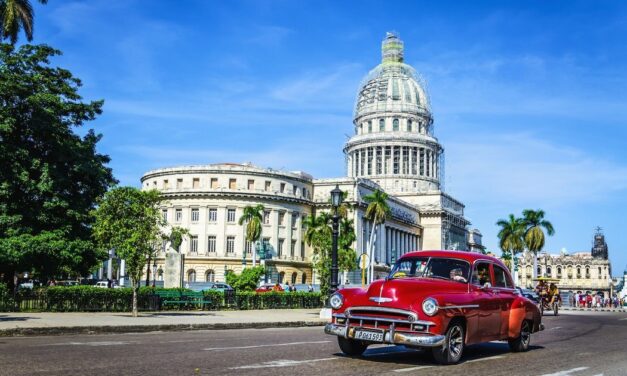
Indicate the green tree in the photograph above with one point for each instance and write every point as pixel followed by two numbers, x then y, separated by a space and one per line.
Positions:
pixel 252 217
pixel 50 177
pixel 176 236
pixel 128 220
pixel 347 257
pixel 247 280
pixel 535 224
pixel 16 15
pixel 511 237
pixel 377 211
pixel 318 236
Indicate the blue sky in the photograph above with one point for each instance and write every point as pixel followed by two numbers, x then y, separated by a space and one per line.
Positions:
pixel 529 98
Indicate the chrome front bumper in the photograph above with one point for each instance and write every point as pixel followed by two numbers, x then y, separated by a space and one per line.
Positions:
pixel 390 336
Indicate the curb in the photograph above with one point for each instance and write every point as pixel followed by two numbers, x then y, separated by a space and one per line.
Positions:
pixel 50 331
pixel 594 309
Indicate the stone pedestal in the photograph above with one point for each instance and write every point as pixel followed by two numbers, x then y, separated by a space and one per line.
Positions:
pixel 173 273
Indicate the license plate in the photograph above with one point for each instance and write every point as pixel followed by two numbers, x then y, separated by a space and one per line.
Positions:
pixel 368 335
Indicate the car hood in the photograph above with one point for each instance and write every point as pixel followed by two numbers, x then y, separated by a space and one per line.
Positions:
pixel 400 292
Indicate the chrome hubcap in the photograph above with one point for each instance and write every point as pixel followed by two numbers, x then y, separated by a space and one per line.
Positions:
pixel 525 334
pixel 455 341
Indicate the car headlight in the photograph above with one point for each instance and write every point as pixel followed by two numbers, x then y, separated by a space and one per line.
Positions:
pixel 430 306
pixel 336 300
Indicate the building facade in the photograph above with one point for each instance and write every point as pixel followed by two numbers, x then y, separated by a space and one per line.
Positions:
pixel 581 271
pixel 394 149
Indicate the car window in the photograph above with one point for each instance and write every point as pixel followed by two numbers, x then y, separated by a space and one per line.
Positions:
pixel 434 267
pixel 500 277
pixel 481 274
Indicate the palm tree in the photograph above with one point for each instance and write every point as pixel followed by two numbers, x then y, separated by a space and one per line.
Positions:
pixel 534 223
pixel 511 237
pixel 252 217
pixel 14 16
pixel 347 256
pixel 377 211
pixel 318 235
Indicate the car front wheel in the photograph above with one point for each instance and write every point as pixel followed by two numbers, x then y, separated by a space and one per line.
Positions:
pixel 521 343
pixel 451 351
pixel 351 347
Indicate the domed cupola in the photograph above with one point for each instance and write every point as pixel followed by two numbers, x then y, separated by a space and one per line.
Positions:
pixel 394 143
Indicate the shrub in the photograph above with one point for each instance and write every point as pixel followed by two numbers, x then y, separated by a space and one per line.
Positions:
pixel 6 299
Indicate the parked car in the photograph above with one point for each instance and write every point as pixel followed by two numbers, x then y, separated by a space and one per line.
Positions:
pixel 440 300
pixel 67 283
pixel 268 287
pixel 102 284
pixel 529 294
pixel 218 286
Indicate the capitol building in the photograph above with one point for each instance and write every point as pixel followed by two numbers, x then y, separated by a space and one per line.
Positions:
pixel 393 149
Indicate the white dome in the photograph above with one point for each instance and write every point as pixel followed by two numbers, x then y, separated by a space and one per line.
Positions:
pixel 392 86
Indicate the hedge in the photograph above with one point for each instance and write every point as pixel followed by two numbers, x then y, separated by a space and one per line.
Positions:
pixel 89 298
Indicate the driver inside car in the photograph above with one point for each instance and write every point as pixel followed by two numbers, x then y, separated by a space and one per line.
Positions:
pixel 457 275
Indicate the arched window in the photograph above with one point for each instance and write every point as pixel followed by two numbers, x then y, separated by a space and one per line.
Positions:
pixel 408 125
pixel 395 125
pixel 539 271
pixel 559 271
pixel 578 272
pixel 587 272
pixel 303 279
pixel 281 277
pixel 294 278
pixel 191 275
pixel 369 126
pixel 548 271
pixel 381 125
pixel 210 276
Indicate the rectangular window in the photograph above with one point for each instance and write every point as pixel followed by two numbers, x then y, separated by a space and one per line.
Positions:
pixel 164 215
pixel 251 185
pixel 266 217
pixel 293 248
pixel 232 183
pixel 193 244
pixel 282 187
pixel 230 244
pixel 211 244
pixel 267 186
pixel 249 248
pixel 500 277
pixel 396 160
pixel 179 183
pixel 165 184
pixel 213 215
pixel 282 218
pixel 214 183
pixel 281 242
pixel 230 215
pixel 178 215
pixel 196 183
pixel 195 214
pixel 294 219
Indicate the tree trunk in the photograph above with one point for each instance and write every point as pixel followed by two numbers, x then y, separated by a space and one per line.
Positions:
pixel 135 310
pixel 373 233
pixel 534 272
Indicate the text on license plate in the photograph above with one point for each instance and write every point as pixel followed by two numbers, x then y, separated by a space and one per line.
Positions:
pixel 369 335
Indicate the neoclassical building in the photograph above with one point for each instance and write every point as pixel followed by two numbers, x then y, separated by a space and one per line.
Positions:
pixel 580 271
pixel 393 149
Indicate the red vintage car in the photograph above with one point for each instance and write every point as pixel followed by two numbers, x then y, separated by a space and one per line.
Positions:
pixel 442 300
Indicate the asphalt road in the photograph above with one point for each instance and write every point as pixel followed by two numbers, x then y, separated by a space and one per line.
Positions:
pixel 577 344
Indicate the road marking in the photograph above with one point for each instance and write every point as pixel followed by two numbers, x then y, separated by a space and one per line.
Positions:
pixel 567 372
pixel 623 319
pixel 267 345
pixel 282 363
pixel 103 343
pixel 411 369
pixel 482 359
pixel 557 327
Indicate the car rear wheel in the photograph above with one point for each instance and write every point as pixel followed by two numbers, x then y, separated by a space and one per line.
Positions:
pixel 521 343
pixel 351 347
pixel 453 348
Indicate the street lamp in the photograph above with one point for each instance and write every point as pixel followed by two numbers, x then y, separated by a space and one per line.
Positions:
pixel 336 200
pixel 154 273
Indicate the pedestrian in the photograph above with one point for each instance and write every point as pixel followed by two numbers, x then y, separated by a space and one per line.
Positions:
pixel 109 283
pixel 576 303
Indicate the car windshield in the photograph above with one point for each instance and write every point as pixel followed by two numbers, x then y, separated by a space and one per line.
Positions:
pixel 431 267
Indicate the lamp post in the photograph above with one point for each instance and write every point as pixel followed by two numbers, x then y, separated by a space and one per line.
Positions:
pixel 336 200
pixel 225 271
pixel 154 273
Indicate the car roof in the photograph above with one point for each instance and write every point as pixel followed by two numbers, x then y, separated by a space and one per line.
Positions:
pixel 463 255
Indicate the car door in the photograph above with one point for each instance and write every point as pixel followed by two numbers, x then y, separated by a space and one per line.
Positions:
pixel 505 295
pixel 489 320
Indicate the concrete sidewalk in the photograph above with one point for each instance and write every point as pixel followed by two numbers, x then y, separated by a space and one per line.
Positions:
pixel 48 323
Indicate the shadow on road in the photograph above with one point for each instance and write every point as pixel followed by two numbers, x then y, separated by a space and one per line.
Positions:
pixel 23 318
